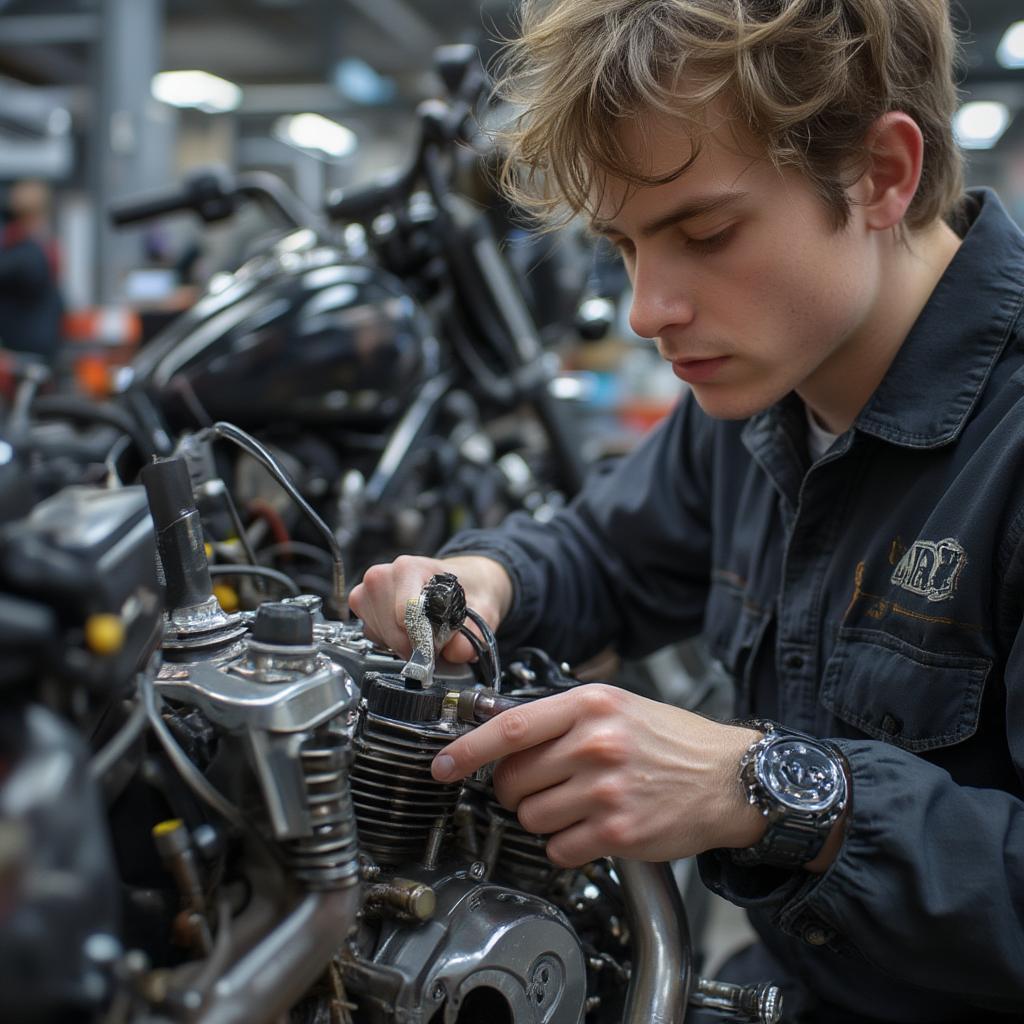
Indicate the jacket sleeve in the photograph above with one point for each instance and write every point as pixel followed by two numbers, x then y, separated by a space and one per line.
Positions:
pixel 626 564
pixel 928 885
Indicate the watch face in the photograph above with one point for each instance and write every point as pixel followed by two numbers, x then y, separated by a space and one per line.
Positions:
pixel 801 775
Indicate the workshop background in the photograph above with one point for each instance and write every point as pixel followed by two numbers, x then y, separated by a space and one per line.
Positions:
pixel 105 100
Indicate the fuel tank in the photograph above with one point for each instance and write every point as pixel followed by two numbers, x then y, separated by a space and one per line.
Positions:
pixel 299 333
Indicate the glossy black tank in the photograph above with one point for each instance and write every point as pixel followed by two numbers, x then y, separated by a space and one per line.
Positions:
pixel 297 334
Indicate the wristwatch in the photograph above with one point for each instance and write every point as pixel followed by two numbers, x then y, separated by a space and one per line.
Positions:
pixel 799 785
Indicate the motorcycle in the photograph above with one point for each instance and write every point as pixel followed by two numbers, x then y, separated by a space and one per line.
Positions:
pixel 391 361
pixel 251 831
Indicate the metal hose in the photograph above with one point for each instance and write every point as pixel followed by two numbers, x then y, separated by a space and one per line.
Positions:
pixel 662 957
pixel 276 973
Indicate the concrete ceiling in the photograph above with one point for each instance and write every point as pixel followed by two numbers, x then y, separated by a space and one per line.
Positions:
pixel 298 43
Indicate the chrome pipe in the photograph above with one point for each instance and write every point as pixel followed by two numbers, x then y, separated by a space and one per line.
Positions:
pixel 662 957
pixel 280 969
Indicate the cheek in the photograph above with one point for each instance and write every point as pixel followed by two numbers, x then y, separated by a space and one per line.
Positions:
pixel 807 297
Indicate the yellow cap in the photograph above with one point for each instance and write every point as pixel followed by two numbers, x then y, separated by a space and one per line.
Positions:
pixel 208 547
pixel 227 597
pixel 104 633
pixel 164 827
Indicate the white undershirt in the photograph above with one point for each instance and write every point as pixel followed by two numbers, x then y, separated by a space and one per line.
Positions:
pixel 819 440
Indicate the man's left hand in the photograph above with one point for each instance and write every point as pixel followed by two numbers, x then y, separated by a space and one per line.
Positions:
pixel 605 772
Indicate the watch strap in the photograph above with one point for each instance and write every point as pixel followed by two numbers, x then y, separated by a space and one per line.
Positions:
pixel 793 837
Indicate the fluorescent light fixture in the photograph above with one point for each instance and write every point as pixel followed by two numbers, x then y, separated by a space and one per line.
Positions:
pixel 316 132
pixel 980 124
pixel 197 89
pixel 1010 52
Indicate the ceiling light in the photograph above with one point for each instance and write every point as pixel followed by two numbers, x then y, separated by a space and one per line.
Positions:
pixel 979 125
pixel 1010 52
pixel 197 89
pixel 315 132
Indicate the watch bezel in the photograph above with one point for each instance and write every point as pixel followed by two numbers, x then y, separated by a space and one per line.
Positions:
pixel 770 760
pixel 795 833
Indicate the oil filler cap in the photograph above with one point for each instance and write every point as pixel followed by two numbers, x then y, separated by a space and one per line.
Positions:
pixel 283 625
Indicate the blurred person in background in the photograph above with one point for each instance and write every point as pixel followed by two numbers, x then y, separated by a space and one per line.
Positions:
pixel 30 301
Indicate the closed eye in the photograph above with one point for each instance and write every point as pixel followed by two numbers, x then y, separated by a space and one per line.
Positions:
pixel 712 243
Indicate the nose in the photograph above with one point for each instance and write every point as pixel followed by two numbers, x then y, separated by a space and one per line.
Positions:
pixel 660 299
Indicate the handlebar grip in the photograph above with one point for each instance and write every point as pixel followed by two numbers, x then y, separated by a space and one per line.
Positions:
pixel 151 206
pixel 366 201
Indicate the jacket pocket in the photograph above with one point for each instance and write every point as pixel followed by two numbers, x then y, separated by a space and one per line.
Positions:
pixel 894 691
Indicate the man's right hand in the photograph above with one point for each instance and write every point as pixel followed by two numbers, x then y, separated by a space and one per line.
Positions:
pixel 381 597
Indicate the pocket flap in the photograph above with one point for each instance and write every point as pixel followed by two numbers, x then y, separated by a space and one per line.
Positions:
pixel 897 692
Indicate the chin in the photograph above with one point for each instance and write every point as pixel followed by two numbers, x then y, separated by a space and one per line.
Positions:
pixel 733 403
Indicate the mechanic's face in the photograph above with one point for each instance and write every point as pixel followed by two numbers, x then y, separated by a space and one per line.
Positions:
pixel 737 272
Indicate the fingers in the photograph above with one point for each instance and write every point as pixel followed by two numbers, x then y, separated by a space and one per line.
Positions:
pixel 381 598
pixel 517 776
pixel 578 844
pixel 511 731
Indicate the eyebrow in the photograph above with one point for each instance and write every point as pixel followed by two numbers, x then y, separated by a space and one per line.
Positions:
pixel 685 211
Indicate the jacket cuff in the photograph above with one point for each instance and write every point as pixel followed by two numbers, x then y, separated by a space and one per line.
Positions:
pixel 802 905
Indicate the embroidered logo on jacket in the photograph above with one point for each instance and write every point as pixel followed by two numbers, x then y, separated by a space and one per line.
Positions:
pixel 931 568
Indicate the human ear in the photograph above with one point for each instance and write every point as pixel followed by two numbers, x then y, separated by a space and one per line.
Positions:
pixel 894 149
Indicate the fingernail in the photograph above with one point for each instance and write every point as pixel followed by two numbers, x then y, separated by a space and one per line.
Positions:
pixel 443 767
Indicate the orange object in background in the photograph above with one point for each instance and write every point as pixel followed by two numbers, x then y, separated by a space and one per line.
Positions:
pixel 641 414
pixel 98 341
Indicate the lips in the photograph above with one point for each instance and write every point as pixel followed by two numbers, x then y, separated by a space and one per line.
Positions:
pixel 698 371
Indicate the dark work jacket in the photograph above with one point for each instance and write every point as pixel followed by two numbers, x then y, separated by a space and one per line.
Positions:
pixel 875 598
pixel 30 301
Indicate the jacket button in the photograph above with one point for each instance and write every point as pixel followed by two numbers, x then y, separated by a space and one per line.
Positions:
pixel 795 661
pixel 816 936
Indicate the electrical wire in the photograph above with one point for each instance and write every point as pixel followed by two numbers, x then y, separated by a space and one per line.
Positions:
pixel 481 655
pixel 295 548
pixel 190 774
pixel 259 571
pixel 120 743
pixel 492 646
pixel 264 510
pixel 248 443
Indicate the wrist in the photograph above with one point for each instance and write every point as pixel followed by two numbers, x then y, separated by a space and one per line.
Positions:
pixel 742 824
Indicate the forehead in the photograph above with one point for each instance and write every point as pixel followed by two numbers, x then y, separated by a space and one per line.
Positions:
pixel 716 156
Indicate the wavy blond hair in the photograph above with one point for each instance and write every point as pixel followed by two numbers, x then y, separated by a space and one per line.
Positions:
pixel 806 78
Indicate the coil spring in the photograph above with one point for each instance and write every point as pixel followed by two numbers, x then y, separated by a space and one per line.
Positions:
pixel 397 802
pixel 510 851
pixel 328 859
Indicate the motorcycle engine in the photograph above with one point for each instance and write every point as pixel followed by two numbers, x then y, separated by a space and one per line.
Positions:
pixel 459 917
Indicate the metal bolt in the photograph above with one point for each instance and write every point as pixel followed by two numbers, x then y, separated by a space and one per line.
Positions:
pixel 438 992
pixel 477 870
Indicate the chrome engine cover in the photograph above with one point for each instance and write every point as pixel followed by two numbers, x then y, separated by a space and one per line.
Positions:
pixel 489 953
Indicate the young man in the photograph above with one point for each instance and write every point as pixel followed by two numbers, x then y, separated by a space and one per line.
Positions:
pixel 838 502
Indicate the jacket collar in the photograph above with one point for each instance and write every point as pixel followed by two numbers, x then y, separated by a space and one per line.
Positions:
pixel 941 369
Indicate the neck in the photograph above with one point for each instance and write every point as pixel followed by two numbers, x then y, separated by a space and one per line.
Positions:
pixel 838 390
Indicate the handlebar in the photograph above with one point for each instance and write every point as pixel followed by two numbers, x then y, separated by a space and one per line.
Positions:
pixel 213 194
pixel 210 193
pixel 442 123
